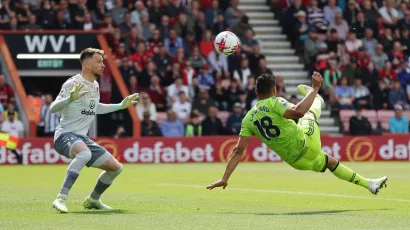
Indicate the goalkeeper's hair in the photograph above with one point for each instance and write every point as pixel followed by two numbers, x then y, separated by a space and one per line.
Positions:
pixel 89 53
pixel 265 83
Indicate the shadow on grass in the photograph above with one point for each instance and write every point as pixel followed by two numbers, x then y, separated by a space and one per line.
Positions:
pixel 103 212
pixel 309 213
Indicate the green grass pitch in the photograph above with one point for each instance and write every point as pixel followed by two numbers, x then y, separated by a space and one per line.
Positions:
pixel 173 196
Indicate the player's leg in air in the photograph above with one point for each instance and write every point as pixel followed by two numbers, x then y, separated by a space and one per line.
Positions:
pixel 313 158
pixel 85 152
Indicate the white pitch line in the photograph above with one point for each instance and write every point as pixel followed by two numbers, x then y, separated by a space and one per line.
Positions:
pixel 287 192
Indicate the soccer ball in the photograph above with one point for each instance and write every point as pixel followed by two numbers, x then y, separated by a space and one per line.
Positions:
pixel 226 43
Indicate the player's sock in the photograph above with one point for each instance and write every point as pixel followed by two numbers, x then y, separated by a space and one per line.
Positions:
pixel 345 173
pixel 104 181
pixel 74 170
pixel 316 107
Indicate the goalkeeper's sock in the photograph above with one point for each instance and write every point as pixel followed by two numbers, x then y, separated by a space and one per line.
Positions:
pixel 73 171
pixel 345 173
pixel 104 181
pixel 316 107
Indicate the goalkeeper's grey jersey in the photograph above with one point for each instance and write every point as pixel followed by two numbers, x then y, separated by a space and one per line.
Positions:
pixel 78 116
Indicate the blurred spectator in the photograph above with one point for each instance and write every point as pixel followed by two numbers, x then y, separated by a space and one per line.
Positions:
pixel 381 96
pixel 403 73
pixel 352 43
pixel 293 99
pixel 397 96
pixel 163 61
pixel 387 40
pixel 172 75
pixel 241 28
pixel 359 124
pixel 398 123
pixel 242 74
pixel 280 87
pixel 212 125
pixel 196 59
pixel 87 23
pixel 183 26
pixel 340 26
pixel 108 28
pixel 194 128
pixel 172 126
pixel 405 40
pixel 157 93
pixel 31 25
pixel 137 13
pixel 155 41
pixel 350 13
pixel 202 103
pixel 352 71
pixel 149 128
pixel 200 25
pixel 330 11
pixel 206 80
pixel 360 26
pixel 363 58
pixel 165 27
pixel 369 42
pixel 387 73
pixel 369 12
pixel 300 30
pixel 193 88
pixel 11 106
pixel 220 95
pixel 146 26
pixel 344 95
pixel 118 12
pixel 6 91
pixel 397 54
pixel 13 126
pixel 370 76
pixel 188 73
pixel 6 13
pixel 48 119
pixel 206 45
pixel 99 13
pixel 262 67
pixel 361 94
pixel 233 93
pixel 254 58
pixel 218 62
pixel 379 57
pixel 126 25
pixel 60 23
pixel 389 13
pixel 315 16
pixel 311 45
pixel 13 24
pixel 182 107
pixel 173 42
pixel 133 40
pixel 220 24
pixel 333 41
pixel 175 89
pixel 233 124
pixel 233 14
pixel 180 58
pixel 146 105
pixel 331 76
pixel 212 13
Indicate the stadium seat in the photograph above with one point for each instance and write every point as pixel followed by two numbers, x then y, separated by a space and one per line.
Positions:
pixel 383 117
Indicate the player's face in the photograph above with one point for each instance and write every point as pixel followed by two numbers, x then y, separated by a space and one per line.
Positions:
pixel 97 65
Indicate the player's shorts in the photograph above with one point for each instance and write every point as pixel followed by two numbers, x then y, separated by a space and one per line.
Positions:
pixel 312 157
pixel 64 144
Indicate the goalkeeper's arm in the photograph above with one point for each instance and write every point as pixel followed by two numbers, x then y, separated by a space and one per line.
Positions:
pixel 109 108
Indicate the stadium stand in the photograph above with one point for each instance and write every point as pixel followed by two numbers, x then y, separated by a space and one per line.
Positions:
pixel 155 43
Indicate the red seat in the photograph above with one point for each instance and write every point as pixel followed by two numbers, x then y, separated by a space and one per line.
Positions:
pixel 346 114
pixel 384 115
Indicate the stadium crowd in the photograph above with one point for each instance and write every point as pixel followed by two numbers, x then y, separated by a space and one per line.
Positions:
pixel 164 50
pixel 361 47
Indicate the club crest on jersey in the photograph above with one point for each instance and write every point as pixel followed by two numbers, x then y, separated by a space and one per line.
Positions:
pixel 92 104
pixel 283 102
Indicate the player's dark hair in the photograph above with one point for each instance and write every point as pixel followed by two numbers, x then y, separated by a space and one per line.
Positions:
pixel 89 53
pixel 265 83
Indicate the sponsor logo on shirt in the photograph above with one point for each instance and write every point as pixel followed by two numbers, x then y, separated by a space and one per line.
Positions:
pixel 92 104
pixel 88 112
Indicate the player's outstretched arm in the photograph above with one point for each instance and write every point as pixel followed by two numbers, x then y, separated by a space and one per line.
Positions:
pixel 233 162
pixel 299 110
pixel 67 96
pixel 109 108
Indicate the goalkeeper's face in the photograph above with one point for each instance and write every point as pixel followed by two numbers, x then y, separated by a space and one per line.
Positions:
pixel 96 65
